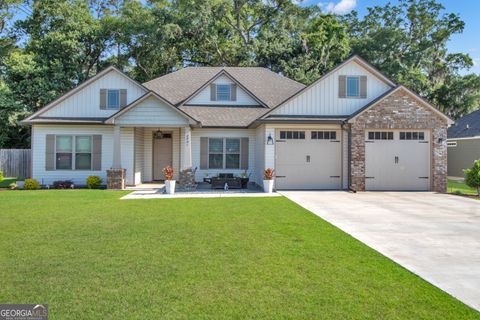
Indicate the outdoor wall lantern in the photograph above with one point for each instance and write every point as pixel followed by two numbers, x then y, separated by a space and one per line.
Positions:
pixel 269 139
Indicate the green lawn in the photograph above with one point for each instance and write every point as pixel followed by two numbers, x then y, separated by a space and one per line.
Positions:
pixel 5 183
pixel 460 187
pixel 89 255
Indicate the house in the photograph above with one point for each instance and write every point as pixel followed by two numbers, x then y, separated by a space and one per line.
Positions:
pixel 463 143
pixel 352 128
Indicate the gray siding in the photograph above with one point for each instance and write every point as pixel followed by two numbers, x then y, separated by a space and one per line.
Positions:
pixel 462 156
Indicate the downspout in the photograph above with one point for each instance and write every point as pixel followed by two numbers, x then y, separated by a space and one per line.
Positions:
pixel 349 156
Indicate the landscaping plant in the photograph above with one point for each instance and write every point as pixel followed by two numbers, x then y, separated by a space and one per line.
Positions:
pixel 472 176
pixel 94 182
pixel 31 184
pixel 268 174
pixel 1 175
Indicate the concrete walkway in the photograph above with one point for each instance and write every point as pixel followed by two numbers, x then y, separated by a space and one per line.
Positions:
pixel 435 236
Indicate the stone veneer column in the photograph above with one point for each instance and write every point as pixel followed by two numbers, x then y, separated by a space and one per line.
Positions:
pixel 116 179
pixel 400 110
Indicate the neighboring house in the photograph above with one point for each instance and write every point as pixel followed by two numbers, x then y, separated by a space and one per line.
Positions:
pixel 463 144
pixel 352 128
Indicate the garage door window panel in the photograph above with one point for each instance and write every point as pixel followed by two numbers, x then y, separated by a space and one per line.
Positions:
pixel 292 135
pixel 380 135
pixel 412 135
pixel 323 135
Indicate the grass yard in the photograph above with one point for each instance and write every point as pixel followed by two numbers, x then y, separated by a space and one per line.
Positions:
pixel 460 187
pixel 89 255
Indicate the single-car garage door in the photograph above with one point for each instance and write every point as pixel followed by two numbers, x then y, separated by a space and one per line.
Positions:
pixel 308 159
pixel 397 160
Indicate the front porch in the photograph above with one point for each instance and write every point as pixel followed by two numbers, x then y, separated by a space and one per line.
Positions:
pixel 202 190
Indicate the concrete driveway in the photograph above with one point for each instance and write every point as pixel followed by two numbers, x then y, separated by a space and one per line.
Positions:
pixel 435 236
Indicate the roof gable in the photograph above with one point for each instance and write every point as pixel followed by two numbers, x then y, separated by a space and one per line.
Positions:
pixel 83 100
pixel 151 109
pixel 466 127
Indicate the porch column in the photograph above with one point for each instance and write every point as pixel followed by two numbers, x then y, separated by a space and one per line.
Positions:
pixel 117 146
pixel 187 148
pixel 116 174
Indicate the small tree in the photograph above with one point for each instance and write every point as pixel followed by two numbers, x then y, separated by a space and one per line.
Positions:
pixel 472 176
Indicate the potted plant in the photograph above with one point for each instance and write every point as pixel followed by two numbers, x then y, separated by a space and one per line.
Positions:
pixel 20 182
pixel 268 180
pixel 169 182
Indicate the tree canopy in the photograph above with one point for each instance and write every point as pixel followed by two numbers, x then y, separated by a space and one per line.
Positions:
pixel 49 46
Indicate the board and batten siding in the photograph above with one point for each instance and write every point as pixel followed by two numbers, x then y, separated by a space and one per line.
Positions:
pixel 197 133
pixel 79 176
pixel 86 102
pixel 323 98
pixel 148 149
pixel 203 97
pixel 152 111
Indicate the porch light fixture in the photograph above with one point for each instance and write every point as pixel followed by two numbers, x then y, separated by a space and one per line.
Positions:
pixel 158 134
pixel 269 139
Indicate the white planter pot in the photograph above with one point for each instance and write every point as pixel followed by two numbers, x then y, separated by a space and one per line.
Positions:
pixel 20 184
pixel 268 186
pixel 170 186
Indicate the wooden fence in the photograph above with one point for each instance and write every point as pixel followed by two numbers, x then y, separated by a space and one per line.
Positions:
pixel 16 162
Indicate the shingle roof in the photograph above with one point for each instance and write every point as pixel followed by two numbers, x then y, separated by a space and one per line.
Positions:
pixel 467 126
pixel 224 116
pixel 265 85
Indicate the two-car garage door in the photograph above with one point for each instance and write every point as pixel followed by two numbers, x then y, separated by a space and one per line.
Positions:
pixel 312 159
pixel 397 160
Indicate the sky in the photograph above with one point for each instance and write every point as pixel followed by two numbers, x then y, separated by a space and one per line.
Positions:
pixel 468 10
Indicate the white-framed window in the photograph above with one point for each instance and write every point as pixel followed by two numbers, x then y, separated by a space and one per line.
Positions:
pixel 292 135
pixel 412 135
pixel 224 92
pixel 73 152
pixel 451 144
pixel 323 135
pixel 353 86
pixel 113 99
pixel 224 153
pixel 380 135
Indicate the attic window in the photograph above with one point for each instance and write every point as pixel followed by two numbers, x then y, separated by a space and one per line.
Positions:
pixel 353 86
pixel 223 92
pixel 113 99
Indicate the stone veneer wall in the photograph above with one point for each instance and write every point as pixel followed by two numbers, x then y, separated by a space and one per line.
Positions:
pixel 400 111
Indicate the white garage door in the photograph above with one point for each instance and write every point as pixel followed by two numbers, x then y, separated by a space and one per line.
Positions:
pixel 397 160
pixel 308 159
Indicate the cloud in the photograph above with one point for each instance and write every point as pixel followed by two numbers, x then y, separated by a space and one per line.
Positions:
pixel 342 7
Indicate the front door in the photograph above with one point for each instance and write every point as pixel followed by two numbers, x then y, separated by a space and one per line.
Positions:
pixel 162 154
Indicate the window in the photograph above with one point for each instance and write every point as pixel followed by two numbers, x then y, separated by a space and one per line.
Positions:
pixel 232 156
pixel 224 153
pixel 324 135
pixel 412 135
pixel 380 135
pixel 353 86
pixel 83 153
pixel 113 99
pixel 64 150
pixel 295 135
pixel 223 92
pixel 73 152
pixel 451 144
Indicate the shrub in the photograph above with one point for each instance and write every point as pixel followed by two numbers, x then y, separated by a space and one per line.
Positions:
pixel 472 176
pixel 94 182
pixel 31 184
pixel 12 186
pixel 1 175
pixel 67 184
pixel 168 173
pixel 268 174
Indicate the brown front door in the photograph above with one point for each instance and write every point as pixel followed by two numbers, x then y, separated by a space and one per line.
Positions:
pixel 162 154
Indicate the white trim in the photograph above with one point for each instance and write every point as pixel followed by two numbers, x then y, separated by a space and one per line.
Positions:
pixel 464 138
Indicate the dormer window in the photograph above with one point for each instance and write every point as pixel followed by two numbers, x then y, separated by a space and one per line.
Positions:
pixel 353 87
pixel 223 92
pixel 113 99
